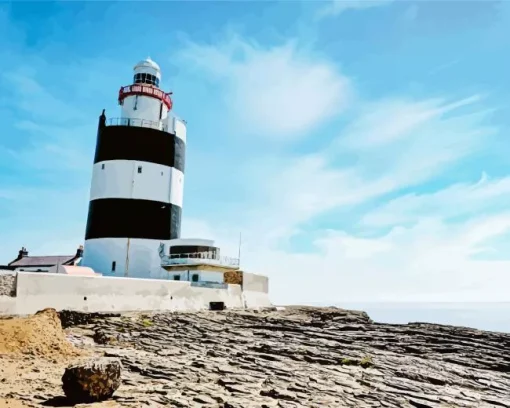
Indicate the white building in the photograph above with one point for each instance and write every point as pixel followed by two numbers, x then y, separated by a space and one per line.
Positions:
pixel 196 260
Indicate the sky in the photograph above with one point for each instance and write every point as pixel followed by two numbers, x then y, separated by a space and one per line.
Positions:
pixel 360 148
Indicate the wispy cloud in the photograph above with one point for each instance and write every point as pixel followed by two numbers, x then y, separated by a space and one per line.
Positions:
pixel 397 147
pixel 389 121
pixel 278 92
pixel 455 201
pixel 382 147
pixel 336 7
pixel 431 261
pixel 28 95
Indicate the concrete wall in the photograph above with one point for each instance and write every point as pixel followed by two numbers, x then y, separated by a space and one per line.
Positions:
pixel 255 283
pixel 255 290
pixel 36 291
pixel 254 300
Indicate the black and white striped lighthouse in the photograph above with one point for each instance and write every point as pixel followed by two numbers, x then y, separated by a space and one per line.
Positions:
pixel 137 180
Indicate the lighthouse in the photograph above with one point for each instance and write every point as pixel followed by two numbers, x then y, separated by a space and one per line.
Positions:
pixel 136 192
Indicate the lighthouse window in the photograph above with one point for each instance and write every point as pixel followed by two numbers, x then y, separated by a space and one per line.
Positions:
pixel 102 166
pixel 194 277
pixel 140 169
pixel 146 79
pixel 113 266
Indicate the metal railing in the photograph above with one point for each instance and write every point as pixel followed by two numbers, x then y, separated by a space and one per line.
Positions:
pixel 203 257
pixel 146 123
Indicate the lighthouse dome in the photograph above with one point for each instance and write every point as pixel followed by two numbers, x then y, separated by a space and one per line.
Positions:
pixel 147 63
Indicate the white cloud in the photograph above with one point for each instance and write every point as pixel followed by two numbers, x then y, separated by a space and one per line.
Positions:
pixel 276 92
pixel 389 121
pixel 390 145
pixel 461 199
pixel 398 147
pixel 337 7
pixel 409 143
pixel 428 262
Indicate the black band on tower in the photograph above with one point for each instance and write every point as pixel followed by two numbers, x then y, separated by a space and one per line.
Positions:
pixel 122 218
pixel 141 144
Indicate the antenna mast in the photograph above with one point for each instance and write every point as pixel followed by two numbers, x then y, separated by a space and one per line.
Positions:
pixel 239 253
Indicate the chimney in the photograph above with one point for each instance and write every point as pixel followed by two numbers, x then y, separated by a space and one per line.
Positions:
pixel 22 253
pixel 79 252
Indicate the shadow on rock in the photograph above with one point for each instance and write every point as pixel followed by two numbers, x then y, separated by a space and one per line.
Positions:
pixel 58 402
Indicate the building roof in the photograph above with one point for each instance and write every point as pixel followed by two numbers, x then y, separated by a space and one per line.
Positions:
pixel 31 261
pixel 23 260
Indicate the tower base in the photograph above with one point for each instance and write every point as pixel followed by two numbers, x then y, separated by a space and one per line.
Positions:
pixel 124 257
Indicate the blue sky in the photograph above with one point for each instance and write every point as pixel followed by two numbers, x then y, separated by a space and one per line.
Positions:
pixel 361 147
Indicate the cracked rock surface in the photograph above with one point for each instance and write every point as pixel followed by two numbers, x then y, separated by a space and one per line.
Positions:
pixel 297 357
pixel 307 357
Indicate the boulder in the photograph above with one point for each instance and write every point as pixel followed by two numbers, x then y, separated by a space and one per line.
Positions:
pixel 92 381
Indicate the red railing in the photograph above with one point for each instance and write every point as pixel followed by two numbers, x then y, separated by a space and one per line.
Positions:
pixel 146 91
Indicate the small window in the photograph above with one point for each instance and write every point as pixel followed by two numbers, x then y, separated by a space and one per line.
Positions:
pixel 114 264
pixel 139 169
pixel 177 277
pixel 102 166
pixel 194 277
pixel 161 173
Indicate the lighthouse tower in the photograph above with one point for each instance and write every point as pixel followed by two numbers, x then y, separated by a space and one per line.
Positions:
pixel 137 181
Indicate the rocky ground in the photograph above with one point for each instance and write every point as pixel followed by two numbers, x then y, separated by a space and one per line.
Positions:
pixel 297 357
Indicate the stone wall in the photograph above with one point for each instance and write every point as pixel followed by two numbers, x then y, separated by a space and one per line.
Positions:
pixel 233 277
pixel 7 284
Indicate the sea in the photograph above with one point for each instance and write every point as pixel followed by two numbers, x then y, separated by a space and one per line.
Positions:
pixel 492 316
